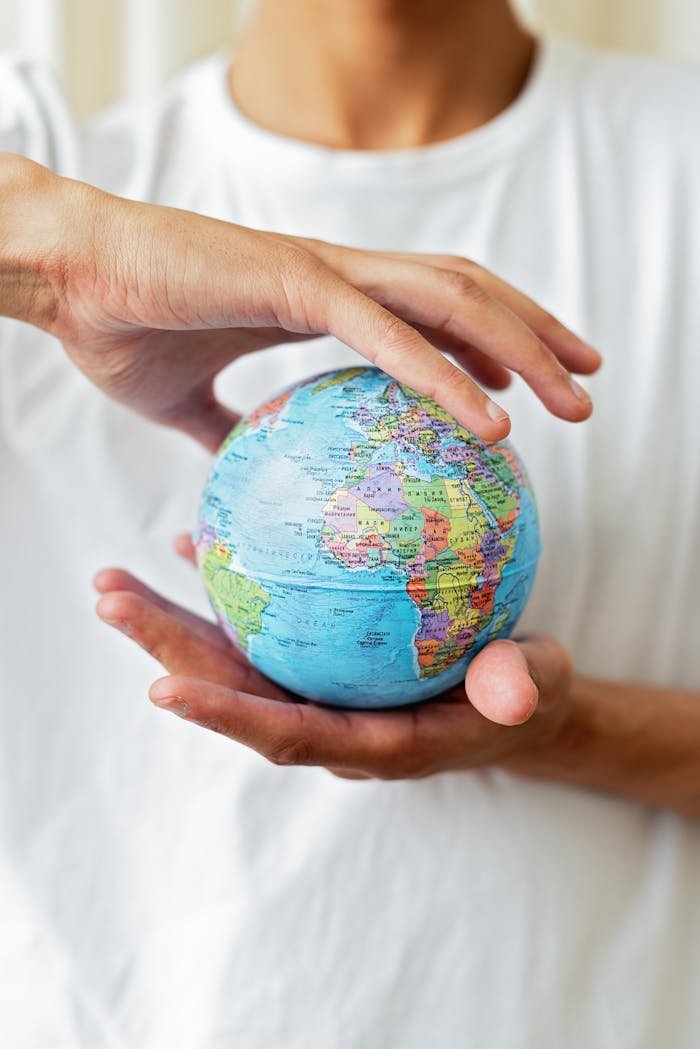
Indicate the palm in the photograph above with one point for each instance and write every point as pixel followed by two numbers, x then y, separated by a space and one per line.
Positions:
pixel 213 684
pixel 168 376
pixel 187 644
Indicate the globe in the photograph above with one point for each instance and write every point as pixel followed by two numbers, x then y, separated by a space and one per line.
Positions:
pixel 359 545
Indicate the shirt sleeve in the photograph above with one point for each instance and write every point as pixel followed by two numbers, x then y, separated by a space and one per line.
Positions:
pixel 35 120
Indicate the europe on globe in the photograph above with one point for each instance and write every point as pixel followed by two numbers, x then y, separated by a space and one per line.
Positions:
pixel 359 545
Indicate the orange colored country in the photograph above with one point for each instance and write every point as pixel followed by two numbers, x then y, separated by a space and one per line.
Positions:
pixel 417 591
pixel 427 650
pixel 483 599
pixel 436 530
pixel 270 410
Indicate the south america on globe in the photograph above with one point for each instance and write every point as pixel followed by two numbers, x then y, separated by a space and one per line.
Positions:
pixel 359 545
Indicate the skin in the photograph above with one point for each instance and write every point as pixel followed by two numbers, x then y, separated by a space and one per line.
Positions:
pixel 215 686
pixel 151 303
pixel 379 74
pixel 523 709
pixel 368 80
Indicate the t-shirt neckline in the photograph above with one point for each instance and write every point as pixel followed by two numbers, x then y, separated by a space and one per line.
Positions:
pixel 252 144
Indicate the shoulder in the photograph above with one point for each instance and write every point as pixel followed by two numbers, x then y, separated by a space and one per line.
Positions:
pixel 35 119
pixel 133 147
pixel 641 100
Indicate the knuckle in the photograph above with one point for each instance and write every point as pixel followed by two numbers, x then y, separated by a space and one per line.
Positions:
pixel 399 758
pixel 557 369
pixel 290 752
pixel 460 264
pixel 395 337
pixel 327 253
pixel 395 333
pixel 542 351
pixel 448 377
pixel 539 363
pixel 453 378
pixel 548 323
pixel 463 284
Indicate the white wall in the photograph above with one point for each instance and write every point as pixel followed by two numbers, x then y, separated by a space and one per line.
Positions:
pixel 104 49
pixel 668 26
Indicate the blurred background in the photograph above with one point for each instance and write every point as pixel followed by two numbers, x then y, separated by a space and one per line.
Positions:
pixel 108 49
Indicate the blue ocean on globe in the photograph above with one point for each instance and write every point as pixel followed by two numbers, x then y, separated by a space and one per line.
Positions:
pixel 359 545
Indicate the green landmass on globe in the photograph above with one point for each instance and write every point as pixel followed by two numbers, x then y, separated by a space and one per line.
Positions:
pixel 235 597
pixel 359 545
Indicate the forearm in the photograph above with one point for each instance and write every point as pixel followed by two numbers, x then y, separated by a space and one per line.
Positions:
pixel 636 741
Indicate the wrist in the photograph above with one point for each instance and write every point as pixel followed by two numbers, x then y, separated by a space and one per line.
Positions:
pixel 32 264
pixel 599 741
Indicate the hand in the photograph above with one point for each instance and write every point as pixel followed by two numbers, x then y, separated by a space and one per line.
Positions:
pixel 152 302
pixel 514 705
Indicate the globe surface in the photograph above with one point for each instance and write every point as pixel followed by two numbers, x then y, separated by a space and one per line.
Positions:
pixel 360 546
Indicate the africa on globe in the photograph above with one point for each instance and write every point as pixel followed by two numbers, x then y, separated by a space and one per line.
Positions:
pixel 359 545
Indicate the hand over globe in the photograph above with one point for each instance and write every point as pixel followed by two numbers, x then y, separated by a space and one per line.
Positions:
pixel 359 545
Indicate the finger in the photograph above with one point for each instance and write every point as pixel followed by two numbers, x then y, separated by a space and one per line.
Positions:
pixel 571 350
pixel 209 422
pixel 109 580
pixel 499 684
pixel 486 371
pixel 391 344
pixel 290 733
pixel 550 667
pixel 574 352
pixel 345 774
pixel 458 306
pixel 175 647
pixel 184 547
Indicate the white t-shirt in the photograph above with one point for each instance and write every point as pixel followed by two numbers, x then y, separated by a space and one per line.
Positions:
pixel 164 888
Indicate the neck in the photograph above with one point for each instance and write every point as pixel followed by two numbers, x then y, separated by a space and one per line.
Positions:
pixel 379 74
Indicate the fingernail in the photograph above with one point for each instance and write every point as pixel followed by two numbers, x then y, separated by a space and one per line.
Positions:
pixel 175 704
pixel 579 391
pixel 495 412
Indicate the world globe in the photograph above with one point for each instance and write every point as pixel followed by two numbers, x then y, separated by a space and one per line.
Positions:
pixel 359 545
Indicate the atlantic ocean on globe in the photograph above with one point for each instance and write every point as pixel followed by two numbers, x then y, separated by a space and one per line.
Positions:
pixel 360 546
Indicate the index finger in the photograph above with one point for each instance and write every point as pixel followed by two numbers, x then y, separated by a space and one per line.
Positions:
pixel 453 304
pixel 393 345
pixel 288 733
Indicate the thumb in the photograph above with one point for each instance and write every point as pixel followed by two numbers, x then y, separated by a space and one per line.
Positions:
pixel 507 680
pixel 209 423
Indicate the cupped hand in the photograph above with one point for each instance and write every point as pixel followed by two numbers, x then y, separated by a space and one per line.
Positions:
pixel 514 703
pixel 153 302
